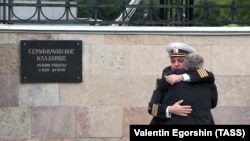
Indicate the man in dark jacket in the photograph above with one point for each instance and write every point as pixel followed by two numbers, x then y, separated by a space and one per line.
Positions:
pixel 160 106
pixel 201 96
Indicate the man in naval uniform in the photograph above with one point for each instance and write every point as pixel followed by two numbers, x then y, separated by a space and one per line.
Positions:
pixel 159 106
pixel 201 96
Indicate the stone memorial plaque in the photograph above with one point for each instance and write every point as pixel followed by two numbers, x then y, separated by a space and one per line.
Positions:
pixel 51 61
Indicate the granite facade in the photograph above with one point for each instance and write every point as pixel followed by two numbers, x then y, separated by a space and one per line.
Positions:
pixel 119 72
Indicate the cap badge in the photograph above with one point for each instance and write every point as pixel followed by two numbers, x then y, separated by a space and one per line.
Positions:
pixel 175 50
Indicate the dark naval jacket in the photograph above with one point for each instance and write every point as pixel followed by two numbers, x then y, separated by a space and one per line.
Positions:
pixel 200 93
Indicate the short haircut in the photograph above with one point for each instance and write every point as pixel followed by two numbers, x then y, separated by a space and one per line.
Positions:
pixel 193 61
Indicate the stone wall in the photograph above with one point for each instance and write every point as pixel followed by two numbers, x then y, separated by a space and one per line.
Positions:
pixel 119 72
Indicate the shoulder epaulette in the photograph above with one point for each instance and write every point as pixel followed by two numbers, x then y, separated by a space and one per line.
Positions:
pixel 202 72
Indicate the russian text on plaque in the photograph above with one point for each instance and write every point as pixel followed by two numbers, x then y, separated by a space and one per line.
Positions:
pixel 51 61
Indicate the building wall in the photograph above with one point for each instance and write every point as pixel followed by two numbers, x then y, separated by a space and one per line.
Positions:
pixel 119 72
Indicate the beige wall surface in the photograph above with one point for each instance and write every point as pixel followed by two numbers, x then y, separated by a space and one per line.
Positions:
pixel 119 72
